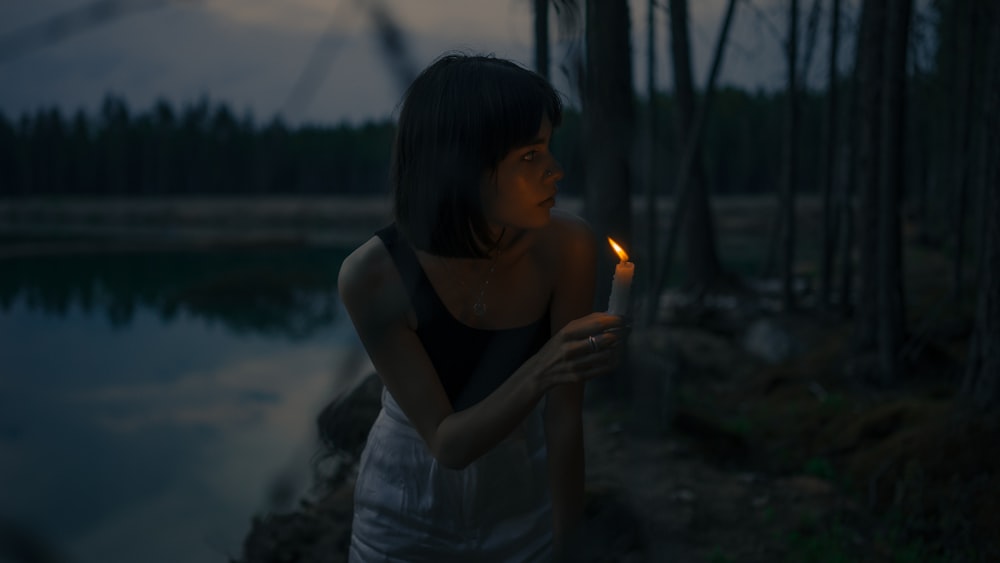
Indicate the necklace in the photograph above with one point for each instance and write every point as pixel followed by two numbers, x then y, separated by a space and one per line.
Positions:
pixel 479 307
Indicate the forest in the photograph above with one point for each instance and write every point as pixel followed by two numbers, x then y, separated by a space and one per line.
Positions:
pixel 894 391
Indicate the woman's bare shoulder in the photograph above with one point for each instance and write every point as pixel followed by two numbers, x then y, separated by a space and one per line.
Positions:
pixel 368 276
pixel 565 221
pixel 569 235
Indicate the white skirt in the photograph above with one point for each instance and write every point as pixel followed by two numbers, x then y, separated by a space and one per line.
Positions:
pixel 408 507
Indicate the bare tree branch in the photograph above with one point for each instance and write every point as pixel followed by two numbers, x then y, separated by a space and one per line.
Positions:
pixel 812 33
pixel 311 77
pixel 687 157
pixel 765 20
pixel 394 44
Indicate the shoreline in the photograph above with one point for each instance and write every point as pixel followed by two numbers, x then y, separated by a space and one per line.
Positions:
pixel 34 226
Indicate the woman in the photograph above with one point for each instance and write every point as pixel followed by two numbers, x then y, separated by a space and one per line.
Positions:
pixel 475 308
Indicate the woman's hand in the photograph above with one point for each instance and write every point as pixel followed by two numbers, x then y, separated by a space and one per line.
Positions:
pixel 583 349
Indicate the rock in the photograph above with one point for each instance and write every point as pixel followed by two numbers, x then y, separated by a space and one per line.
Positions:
pixel 304 536
pixel 683 495
pixel 344 424
pixel 807 485
pixel 709 353
pixel 321 532
pixel 769 341
pixel 343 428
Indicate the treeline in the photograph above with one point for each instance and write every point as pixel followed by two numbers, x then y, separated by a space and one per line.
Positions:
pixel 205 148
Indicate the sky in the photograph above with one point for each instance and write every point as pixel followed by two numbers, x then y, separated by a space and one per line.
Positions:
pixel 250 54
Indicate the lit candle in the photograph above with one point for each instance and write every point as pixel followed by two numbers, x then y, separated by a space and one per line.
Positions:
pixel 621 283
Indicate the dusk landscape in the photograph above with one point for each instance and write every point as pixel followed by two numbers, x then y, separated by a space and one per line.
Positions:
pixel 813 372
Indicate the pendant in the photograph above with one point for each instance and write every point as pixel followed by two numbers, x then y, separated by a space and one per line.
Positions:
pixel 479 308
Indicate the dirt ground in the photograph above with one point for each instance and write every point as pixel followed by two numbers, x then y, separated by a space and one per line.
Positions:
pixel 793 462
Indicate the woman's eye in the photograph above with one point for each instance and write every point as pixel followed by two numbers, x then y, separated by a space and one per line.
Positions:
pixel 530 155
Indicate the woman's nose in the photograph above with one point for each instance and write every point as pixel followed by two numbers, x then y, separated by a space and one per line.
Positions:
pixel 556 169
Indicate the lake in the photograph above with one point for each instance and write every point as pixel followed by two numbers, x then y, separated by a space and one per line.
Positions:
pixel 151 399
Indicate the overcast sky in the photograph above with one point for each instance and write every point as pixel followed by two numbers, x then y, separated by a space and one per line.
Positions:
pixel 251 53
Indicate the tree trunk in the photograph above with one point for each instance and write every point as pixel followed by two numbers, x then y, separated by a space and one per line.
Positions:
pixel 680 51
pixel 847 223
pixel 608 122
pixel 961 159
pixel 891 313
pixel 608 118
pixel 700 254
pixel 811 35
pixel 789 177
pixel 981 384
pixel 869 94
pixel 830 210
pixel 652 170
pixel 541 13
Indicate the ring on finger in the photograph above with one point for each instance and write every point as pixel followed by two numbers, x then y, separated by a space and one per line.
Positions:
pixel 593 343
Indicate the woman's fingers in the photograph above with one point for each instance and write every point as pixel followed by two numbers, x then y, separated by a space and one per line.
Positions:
pixel 594 364
pixel 588 347
pixel 602 341
pixel 594 323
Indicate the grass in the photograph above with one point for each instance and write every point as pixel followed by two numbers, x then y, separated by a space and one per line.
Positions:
pixel 834 544
pixel 719 556
pixel 819 467
pixel 828 545
pixel 740 425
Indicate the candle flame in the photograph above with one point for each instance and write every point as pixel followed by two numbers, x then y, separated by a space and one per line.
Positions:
pixel 622 255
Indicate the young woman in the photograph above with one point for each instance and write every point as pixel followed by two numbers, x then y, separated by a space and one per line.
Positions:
pixel 475 308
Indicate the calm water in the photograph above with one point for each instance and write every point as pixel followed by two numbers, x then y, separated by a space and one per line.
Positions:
pixel 149 400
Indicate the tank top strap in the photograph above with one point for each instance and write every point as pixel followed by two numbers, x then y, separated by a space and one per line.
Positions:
pixel 412 274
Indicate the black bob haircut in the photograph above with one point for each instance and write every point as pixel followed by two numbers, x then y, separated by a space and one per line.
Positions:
pixel 459 118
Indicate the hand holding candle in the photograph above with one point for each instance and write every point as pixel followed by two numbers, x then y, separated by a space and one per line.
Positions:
pixel 621 284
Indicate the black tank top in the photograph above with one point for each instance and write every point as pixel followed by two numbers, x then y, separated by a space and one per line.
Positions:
pixel 470 362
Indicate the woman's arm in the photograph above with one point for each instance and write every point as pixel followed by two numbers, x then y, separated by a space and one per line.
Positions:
pixel 573 298
pixel 374 297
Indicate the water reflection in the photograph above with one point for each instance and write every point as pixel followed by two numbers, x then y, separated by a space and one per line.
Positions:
pixel 148 400
pixel 274 291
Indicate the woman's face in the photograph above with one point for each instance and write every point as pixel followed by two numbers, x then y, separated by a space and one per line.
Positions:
pixel 522 193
